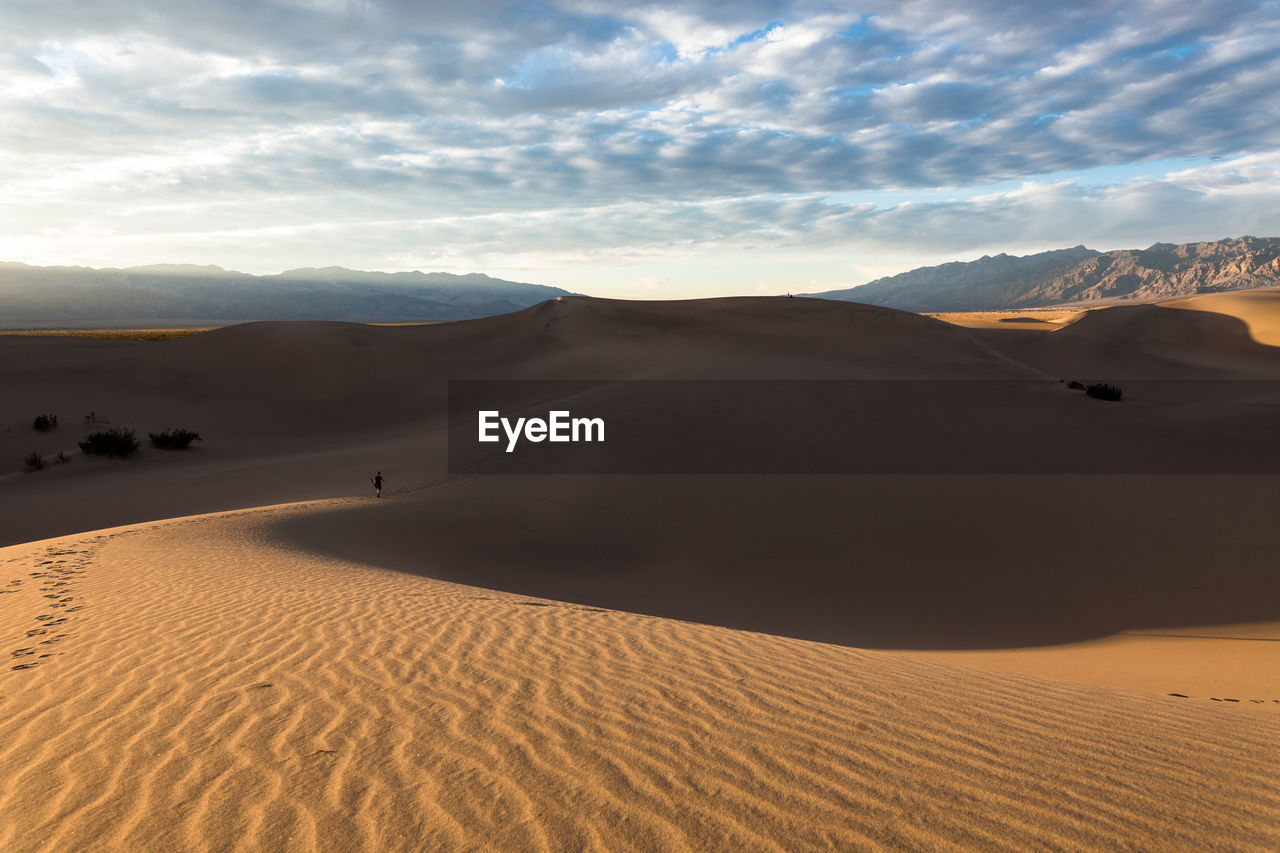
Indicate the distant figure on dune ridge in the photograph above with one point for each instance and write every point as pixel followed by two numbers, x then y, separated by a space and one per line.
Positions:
pixel 377 484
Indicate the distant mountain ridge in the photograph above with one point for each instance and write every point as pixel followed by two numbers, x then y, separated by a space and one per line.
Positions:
pixel 186 294
pixel 1077 275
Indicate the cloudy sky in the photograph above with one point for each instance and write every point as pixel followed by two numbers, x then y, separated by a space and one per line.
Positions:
pixel 650 150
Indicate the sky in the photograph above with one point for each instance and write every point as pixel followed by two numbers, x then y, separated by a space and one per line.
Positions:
pixel 645 150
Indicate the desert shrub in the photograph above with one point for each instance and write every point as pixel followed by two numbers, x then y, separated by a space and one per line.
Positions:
pixel 1075 386
pixel 173 439
pixel 61 457
pixel 112 442
pixel 44 423
pixel 34 461
pixel 1103 391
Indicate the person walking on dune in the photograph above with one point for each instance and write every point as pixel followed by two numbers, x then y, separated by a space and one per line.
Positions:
pixel 377 484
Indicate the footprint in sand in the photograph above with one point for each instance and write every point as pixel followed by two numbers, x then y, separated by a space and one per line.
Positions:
pixel 22 652
pixel 31 665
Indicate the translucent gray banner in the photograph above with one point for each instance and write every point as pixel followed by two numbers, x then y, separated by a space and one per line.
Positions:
pixel 863 427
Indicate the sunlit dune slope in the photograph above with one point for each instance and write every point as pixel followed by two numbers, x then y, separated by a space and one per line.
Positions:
pixel 1142 342
pixel 1258 309
pixel 198 684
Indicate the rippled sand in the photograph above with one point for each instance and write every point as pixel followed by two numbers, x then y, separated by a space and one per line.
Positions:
pixel 196 685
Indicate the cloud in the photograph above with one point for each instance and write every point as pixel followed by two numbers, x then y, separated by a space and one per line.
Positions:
pixel 1203 202
pixel 606 131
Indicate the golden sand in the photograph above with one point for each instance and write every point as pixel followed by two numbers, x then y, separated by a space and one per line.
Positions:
pixel 1259 310
pixel 1040 319
pixel 198 686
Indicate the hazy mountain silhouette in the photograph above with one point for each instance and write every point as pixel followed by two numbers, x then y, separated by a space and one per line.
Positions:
pixel 187 294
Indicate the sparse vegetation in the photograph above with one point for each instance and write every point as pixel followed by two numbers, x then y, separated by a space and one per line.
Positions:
pixel 1102 391
pixel 35 461
pixel 44 423
pixel 174 439
pixel 112 442
pixel 1075 386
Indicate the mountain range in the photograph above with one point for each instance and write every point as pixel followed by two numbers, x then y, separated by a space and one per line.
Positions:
pixel 183 294
pixel 1077 276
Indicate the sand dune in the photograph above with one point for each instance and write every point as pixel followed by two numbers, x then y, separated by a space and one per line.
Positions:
pixel 295 411
pixel 1142 342
pixel 209 688
pixel 1258 309
pixel 844 560
pixel 595 661
pixel 298 411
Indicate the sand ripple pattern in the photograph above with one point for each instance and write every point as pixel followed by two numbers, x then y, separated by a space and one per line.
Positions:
pixel 220 692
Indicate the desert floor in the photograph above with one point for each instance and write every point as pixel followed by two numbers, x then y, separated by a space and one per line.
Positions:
pixel 1052 623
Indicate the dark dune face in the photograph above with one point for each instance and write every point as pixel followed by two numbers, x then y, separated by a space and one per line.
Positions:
pixel 988 505
pixel 887 562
